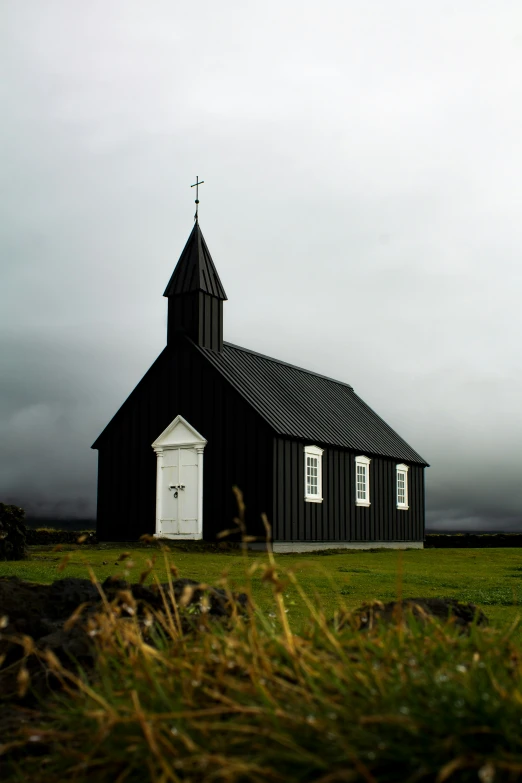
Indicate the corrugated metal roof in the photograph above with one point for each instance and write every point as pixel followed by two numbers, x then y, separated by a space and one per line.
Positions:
pixel 302 404
pixel 195 270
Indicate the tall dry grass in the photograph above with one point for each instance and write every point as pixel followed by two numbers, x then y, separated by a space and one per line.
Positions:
pixel 179 696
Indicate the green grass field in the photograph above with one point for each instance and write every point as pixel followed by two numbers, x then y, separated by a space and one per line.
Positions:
pixel 284 696
pixel 491 578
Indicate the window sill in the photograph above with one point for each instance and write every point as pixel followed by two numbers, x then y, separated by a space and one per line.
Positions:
pixel 364 503
pixel 403 508
pixel 313 500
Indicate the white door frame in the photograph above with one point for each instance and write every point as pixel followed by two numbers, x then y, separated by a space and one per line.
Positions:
pixel 178 435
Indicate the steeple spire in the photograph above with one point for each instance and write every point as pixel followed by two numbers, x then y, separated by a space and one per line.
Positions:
pixel 195 270
pixel 196 295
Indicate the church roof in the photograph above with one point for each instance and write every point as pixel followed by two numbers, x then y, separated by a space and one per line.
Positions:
pixel 305 405
pixel 195 270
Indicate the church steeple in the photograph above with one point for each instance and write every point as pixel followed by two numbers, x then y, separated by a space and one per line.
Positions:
pixel 196 295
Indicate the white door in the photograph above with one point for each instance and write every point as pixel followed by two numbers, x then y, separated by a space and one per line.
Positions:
pixel 179 487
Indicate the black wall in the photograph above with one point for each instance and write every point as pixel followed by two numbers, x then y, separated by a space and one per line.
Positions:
pixel 200 316
pixel 337 518
pixel 239 449
pixel 242 450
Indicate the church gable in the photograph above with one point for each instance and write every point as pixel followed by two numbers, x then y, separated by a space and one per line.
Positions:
pixel 179 433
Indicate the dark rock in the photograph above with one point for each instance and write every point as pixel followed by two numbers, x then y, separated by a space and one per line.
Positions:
pixel 65 595
pixel 147 595
pixel 22 610
pixel 114 583
pixel 40 611
pixel 24 606
pixel 443 609
pixel 72 644
pixel 189 593
pixel 12 533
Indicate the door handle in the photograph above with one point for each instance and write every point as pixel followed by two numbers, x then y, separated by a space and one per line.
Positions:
pixel 176 487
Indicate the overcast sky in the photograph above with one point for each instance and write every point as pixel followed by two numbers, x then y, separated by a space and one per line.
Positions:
pixel 362 202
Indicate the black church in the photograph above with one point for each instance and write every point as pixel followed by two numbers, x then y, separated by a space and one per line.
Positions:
pixel 208 415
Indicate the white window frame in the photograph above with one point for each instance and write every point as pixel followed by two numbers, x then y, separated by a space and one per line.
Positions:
pixel 317 453
pixel 363 461
pixel 401 469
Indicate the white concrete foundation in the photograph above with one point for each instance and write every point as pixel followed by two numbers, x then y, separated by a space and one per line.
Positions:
pixel 316 546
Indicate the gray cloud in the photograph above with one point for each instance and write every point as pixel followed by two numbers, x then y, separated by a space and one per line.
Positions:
pixel 361 201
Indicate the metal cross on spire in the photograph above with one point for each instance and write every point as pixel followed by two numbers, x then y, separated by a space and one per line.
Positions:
pixel 196 185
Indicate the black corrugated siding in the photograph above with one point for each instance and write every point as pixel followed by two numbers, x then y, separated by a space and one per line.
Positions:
pixel 200 316
pixel 337 518
pixel 239 449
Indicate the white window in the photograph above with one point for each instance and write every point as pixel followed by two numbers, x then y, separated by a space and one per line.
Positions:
pixel 313 457
pixel 402 486
pixel 362 481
